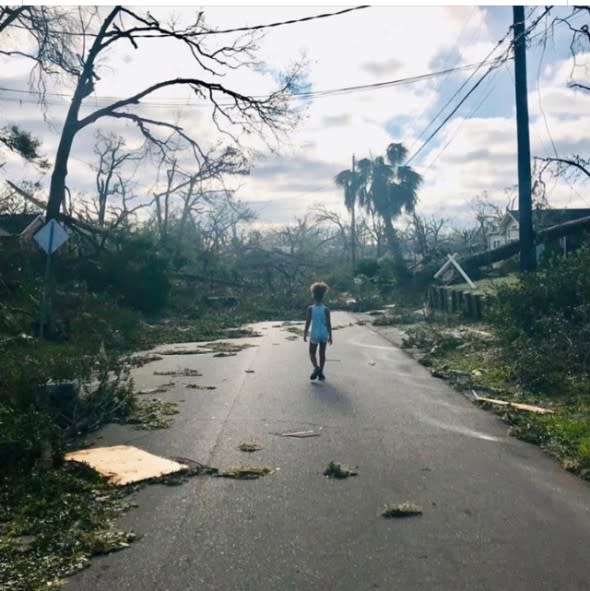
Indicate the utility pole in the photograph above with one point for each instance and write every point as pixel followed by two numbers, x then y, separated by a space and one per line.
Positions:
pixel 353 218
pixel 528 257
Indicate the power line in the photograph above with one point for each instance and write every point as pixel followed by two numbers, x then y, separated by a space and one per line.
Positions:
pixel 305 94
pixel 218 31
pixel 288 22
pixel 446 119
pixel 496 64
pixel 465 82
pixel 471 114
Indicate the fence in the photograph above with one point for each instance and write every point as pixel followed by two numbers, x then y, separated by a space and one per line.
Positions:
pixel 453 301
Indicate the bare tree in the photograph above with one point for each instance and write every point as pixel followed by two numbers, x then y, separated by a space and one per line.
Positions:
pixel 49 29
pixel 426 235
pixel 230 108
pixel 112 156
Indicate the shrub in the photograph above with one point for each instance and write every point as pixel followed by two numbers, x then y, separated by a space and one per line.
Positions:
pixel 543 322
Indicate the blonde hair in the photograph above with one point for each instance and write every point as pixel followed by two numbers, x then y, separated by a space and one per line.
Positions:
pixel 318 290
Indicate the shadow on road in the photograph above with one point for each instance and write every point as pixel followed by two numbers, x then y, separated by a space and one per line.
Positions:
pixel 327 393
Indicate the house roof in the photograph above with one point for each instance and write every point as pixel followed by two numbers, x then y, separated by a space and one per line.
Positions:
pixel 16 224
pixel 543 218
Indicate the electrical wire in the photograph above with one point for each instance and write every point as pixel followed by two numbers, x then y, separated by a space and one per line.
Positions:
pixel 471 114
pixel 465 82
pixel 306 94
pixel 219 31
pixel 448 117
pixel 499 61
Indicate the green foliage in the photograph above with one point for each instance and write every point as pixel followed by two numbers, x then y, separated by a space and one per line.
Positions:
pixel 23 143
pixel 543 322
pixel 368 267
pixel 33 408
pixel 53 522
pixel 135 272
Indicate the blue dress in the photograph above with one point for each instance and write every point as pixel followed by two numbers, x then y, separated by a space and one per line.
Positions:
pixel 319 330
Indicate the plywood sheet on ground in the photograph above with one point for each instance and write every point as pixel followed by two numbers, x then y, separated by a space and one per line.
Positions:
pixel 125 464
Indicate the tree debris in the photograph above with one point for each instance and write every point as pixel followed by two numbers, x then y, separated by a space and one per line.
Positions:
pixel 245 472
pixel 520 406
pixel 402 510
pixel 179 373
pixel 141 360
pixel 158 389
pixel 301 434
pixel 249 447
pixel 340 471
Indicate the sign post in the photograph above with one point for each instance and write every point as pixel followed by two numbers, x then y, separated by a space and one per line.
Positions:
pixel 50 237
pixel 453 261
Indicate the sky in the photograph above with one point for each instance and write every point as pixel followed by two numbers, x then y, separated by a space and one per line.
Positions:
pixel 474 153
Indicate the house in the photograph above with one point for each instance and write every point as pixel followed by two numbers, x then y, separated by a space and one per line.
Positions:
pixel 19 226
pixel 506 229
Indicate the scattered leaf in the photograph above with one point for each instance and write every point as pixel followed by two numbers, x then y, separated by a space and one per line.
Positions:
pixel 179 373
pixel 158 389
pixel 340 471
pixel 249 447
pixel 402 510
pixel 245 472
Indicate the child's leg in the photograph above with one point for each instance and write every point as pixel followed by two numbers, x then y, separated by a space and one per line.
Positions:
pixel 322 355
pixel 312 354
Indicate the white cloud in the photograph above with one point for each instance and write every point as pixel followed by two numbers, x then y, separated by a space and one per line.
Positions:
pixel 363 47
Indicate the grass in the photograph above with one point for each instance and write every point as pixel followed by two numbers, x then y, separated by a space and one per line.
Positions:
pixel 486 286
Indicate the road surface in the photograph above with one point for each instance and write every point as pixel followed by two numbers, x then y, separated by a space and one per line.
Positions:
pixel 498 513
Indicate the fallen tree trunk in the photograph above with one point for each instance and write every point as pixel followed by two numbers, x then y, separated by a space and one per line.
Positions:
pixel 61 217
pixel 507 250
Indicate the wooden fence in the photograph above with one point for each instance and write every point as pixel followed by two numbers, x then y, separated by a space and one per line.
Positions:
pixel 453 301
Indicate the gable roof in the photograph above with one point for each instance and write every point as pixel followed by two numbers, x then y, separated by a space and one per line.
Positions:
pixel 16 224
pixel 543 218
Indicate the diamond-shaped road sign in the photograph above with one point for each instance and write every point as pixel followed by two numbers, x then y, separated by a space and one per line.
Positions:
pixel 51 236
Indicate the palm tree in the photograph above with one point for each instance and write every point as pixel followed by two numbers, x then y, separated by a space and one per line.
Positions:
pixel 350 180
pixel 393 189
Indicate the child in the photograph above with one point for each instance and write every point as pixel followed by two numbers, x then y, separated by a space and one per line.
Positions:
pixel 318 315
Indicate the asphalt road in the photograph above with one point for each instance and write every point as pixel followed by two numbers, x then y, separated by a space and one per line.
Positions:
pixel 498 513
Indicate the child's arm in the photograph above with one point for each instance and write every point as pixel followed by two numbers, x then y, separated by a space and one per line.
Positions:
pixel 307 323
pixel 329 325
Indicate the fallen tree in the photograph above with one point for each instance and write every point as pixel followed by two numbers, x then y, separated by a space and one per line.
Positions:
pixel 542 236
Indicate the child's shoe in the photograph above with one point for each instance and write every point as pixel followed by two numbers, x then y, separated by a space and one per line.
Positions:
pixel 315 373
pixel 321 376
